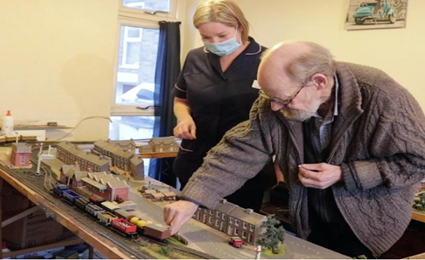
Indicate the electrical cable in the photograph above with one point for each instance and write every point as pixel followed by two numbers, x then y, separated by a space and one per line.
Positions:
pixel 89 117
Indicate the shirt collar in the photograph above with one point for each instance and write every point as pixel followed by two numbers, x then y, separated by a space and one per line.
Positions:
pixel 253 48
pixel 330 116
pixel 336 96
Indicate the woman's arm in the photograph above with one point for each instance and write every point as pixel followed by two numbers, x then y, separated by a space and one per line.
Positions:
pixel 186 128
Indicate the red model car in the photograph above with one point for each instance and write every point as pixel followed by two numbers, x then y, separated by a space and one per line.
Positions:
pixel 236 242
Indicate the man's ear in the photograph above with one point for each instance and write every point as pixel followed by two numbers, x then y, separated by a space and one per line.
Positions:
pixel 320 80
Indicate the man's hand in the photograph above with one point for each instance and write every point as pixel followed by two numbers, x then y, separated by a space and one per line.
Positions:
pixel 185 129
pixel 178 213
pixel 319 175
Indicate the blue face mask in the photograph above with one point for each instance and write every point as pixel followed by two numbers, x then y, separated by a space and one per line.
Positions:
pixel 223 48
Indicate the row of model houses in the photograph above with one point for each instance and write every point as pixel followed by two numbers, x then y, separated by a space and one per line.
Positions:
pixel 157 194
pixel 233 220
pixel 71 154
pixel 121 155
pixel 105 154
pixel 160 145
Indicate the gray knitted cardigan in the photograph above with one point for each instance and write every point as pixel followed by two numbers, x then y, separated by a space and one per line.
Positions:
pixel 378 140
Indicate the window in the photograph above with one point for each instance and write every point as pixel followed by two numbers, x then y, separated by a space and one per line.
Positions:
pixel 237 222
pixel 131 47
pixel 136 54
pixel 22 160
pixel 196 214
pixel 151 5
pixel 134 4
pixel 132 112
pixel 134 82
pixel 135 79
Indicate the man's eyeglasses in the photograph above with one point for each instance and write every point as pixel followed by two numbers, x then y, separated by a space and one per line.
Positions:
pixel 283 103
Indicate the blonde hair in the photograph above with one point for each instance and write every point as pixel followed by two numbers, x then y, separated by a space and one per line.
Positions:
pixel 226 12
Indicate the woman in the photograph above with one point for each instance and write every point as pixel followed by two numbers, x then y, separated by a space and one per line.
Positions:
pixel 214 93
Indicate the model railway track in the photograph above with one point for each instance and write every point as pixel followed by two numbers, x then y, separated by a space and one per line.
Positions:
pixel 192 252
pixel 35 182
pixel 181 248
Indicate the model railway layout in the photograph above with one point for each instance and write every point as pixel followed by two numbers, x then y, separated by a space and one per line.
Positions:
pixel 128 231
pixel 130 246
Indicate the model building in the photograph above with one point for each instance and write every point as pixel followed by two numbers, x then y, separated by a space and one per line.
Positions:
pixel 21 154
pixel 160 145
pixel 121 154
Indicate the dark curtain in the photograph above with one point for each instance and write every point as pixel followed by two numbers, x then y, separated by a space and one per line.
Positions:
pixel 167 71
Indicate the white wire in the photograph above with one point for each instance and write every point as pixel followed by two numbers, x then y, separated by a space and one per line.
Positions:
pixel 89 117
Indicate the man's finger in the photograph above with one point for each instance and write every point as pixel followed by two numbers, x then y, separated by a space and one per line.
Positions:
pixel 310 174
pixel 313 166
pixel 310 183
pixel 176 223
pixel 168 215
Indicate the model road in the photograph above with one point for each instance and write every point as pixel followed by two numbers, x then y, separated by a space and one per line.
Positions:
pixel 200 236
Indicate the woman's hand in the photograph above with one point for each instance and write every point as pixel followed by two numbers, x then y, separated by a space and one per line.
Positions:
pixel 185 129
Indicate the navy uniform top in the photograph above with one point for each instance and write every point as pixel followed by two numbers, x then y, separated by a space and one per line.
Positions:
pixel 218 100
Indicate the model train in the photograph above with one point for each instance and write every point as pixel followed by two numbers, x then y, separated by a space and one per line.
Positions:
pixel 126 223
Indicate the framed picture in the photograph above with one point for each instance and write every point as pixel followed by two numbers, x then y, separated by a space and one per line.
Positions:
pixel 376 14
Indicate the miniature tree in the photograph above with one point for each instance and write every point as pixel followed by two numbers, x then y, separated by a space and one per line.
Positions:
pixel 165 250
pixel 419 202
pixel 274 235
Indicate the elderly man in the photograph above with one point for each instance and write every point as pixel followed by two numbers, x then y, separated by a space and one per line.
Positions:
pixel 348 138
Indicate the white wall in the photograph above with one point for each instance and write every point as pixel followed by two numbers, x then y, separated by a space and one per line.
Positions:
pixel 190 36
pixel 57 62
pixel 399 52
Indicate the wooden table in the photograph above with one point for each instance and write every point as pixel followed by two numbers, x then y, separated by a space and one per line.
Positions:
pixel 158 155
pixel 418 216
pixel 107 247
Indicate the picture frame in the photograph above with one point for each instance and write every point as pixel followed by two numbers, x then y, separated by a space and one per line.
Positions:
pixel 376 14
